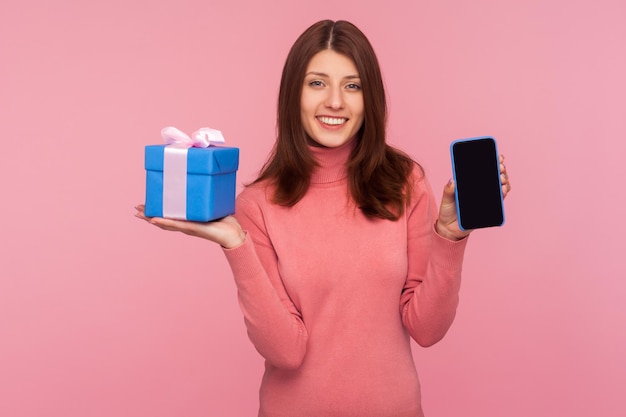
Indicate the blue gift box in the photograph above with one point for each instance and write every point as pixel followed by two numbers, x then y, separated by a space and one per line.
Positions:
pixel 210 182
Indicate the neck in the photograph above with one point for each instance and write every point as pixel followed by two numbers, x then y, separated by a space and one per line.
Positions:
pixel 332 162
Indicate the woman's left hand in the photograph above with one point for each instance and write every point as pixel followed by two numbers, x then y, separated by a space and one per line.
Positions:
pixel 447 224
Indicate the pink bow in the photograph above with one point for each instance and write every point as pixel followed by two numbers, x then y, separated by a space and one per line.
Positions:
pixel 202 138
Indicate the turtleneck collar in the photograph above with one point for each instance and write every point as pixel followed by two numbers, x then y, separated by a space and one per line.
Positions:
pixel 332 162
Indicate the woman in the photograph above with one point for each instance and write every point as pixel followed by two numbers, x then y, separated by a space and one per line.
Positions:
pixel 337 249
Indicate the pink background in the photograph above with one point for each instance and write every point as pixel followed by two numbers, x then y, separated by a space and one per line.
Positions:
pixel 103 315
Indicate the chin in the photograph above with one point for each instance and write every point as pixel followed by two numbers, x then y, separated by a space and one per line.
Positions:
pixel 328 142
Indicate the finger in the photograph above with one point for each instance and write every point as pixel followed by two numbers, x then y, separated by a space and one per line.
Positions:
pixel 141 213
pixel 168 224
pixel 503 171
pixel 164 225
pixel 140 209
pixel 505 190
pixel 502 166
pixel 187 227
pixel 448 193
pixel 449 188
pixel 142 216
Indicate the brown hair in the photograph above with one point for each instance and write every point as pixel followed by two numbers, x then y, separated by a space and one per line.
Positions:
pixel 378 174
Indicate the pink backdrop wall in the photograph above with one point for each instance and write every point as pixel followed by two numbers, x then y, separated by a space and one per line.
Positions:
pixel 102 315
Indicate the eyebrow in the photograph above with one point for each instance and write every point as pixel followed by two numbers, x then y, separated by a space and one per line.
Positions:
pixel 321 74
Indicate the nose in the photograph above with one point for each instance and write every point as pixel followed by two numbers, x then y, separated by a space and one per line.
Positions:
pixel 334 99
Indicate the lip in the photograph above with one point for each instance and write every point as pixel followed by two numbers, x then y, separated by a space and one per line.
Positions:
pixel 330 126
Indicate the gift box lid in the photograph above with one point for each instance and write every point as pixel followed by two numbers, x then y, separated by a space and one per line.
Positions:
pixel 206 161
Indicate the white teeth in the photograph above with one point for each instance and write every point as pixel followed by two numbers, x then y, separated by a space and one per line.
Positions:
pixel 332 120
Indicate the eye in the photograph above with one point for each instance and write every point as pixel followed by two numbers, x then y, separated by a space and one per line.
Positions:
pixel 353 86
pixel 316 83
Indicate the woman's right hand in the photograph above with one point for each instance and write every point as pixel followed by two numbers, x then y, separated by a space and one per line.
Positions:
pixel 225 231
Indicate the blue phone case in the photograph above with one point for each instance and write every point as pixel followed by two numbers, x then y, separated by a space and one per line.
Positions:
pixel 454 170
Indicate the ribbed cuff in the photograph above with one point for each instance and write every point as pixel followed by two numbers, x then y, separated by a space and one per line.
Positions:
pixel 448 254
pixel 243 259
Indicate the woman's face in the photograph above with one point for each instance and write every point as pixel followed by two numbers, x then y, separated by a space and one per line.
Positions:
pixel 331 105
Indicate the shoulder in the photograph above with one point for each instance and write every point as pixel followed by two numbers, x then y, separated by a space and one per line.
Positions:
pixel 416 179
pixel 254 199
pixel 250 210
pixel 420 189
pixel 255 194
pixel 254 191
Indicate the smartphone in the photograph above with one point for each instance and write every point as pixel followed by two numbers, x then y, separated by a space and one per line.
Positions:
pixel 478 189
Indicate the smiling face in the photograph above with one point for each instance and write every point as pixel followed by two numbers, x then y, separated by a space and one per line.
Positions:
pixel 331 104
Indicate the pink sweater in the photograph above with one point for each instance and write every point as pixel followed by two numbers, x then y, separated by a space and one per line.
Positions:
pixel 330 297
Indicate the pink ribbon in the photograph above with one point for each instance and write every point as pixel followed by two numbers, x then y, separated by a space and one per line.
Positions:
pixel 175 166
pixel 202 138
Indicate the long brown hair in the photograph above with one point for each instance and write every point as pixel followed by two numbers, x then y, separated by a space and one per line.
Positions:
pixel 378 174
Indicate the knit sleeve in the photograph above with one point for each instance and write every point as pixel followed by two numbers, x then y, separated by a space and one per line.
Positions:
pixel 274 324
pixel 431 292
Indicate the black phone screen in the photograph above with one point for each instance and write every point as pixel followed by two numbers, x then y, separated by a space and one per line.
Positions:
pixel 478 190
